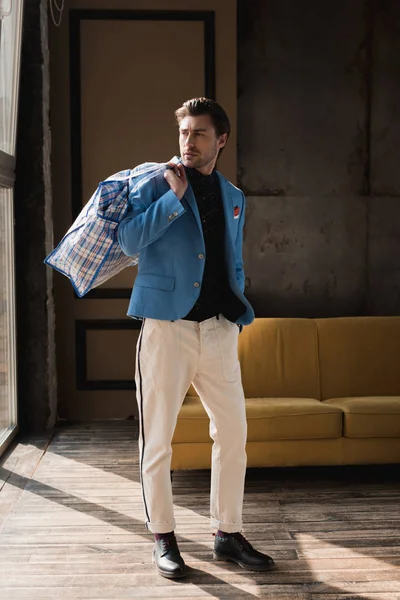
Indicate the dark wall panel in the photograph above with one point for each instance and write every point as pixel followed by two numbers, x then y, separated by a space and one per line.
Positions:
pixel 385 111
pixel 305 256
pixel 302 89
pixel 319 139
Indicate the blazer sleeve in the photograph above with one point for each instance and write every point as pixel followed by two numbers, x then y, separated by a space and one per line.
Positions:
pixel 148 218
pixel 239 248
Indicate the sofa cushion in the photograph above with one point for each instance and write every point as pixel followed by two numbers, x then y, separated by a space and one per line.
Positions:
pixel 267 419
pixel 359 356
pixel 369 417
pixel 279 359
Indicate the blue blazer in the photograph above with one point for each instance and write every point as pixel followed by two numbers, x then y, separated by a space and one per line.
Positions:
pixel 168 236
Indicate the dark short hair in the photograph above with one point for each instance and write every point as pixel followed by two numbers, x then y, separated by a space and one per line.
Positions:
pixel 205 106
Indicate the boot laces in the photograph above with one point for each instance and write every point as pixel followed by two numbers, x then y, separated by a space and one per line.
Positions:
pixel 168 543
pixel 240 538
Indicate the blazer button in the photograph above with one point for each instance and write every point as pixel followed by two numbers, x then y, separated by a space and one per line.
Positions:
pixel 201 255
pixel 196 284
pixel 175 214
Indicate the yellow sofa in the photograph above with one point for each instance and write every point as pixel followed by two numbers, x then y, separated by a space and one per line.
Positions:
pixel 318 392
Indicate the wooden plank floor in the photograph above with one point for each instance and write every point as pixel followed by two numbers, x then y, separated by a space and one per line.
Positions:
pixel 72 527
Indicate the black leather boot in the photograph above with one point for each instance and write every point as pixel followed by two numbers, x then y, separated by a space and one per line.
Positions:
pixel 167 558
pixel 234 547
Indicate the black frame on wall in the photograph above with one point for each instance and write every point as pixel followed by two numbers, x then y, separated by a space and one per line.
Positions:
pixel 75 18
pixel 81 327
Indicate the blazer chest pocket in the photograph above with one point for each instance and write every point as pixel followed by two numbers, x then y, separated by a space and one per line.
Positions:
pixel 159 282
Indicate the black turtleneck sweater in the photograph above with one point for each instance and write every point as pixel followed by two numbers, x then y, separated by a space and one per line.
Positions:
pixel 216 296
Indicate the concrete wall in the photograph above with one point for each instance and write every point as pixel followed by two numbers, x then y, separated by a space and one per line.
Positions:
pixel 318 131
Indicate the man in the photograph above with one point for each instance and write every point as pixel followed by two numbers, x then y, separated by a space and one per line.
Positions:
pixel 187 227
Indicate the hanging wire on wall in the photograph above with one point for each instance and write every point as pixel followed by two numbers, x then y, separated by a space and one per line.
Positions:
pixel 55 6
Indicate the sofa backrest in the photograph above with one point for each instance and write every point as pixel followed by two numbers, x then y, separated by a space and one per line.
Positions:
pixel 359 356
pixel 279 358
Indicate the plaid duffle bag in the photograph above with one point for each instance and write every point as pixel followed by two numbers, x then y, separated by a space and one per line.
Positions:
pixel 89 253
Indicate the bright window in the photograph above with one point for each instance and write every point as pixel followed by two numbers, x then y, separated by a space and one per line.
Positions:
pixel 10 52
pixel 8 396
pixel 10 43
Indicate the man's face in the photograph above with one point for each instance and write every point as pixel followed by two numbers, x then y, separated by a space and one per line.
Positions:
pixel 199 144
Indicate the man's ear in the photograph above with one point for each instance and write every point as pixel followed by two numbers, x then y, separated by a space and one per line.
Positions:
pixel 222 140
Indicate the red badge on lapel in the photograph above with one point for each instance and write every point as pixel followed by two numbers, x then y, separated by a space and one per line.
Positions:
pixel 236 212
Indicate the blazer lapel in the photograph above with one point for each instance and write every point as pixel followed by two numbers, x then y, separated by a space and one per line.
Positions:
pixel 228 211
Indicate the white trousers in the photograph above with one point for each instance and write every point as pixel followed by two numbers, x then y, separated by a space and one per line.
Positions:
pixel 170 356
